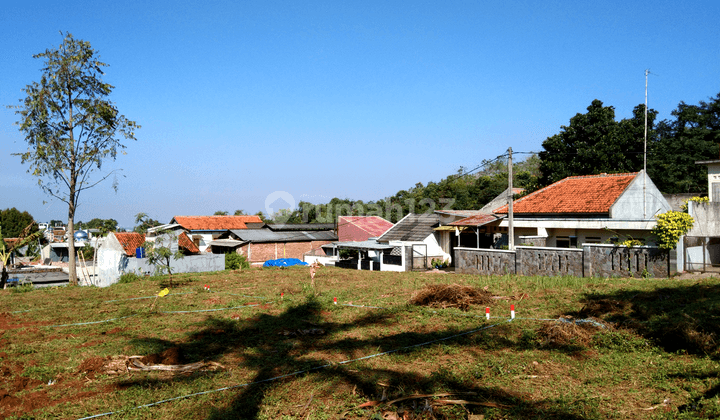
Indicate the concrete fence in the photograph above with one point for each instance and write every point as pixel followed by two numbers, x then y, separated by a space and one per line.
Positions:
pixel 592 260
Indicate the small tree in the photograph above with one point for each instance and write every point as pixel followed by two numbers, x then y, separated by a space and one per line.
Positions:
pixel 160 252
pixel 70 126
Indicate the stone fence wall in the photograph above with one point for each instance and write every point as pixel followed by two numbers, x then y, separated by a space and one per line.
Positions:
pixel 592 260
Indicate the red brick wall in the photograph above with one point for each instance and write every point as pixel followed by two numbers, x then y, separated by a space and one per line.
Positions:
pixel 271 251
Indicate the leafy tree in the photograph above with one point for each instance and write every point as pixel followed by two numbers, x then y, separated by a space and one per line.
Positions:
pixel 70 126
pixel 103 225
pixel 263 217
pixel 693 135
pixel 144 222
pixel 161 251
pixel 220 213
pixel 239 213
pixel 594 143
pixel 14 222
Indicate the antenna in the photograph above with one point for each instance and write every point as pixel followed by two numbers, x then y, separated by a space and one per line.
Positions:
pixel 647 71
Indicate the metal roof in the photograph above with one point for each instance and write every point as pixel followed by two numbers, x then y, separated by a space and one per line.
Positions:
pixel 267 235
pixel 412 228
pixel 229 243
pixel 370 244
pixel 301 226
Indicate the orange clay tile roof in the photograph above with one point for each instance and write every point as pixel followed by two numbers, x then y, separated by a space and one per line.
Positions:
pixel 591 194
pixel 215 222
pixel 130 241
pixel 477 220
pixel 187 244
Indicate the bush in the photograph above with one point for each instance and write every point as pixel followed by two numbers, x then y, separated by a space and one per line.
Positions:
pixel 87 251
pixel 234 261
pixel 670 227
pixel 128 277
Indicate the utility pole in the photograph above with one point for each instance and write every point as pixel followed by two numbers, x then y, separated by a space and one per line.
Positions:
pixel 647 71
pixel 511 228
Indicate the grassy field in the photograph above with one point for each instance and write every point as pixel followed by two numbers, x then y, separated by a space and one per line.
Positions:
pixel 264 343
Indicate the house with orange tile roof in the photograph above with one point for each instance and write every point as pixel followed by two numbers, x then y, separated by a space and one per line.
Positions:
pixel 203 229
pixel 119 253
pixel 587 209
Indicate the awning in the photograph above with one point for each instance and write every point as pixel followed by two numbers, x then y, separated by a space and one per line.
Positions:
pixel 228 243
pixel 479 220
pixel 450 228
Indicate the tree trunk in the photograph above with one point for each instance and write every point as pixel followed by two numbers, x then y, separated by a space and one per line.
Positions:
pixel 71 237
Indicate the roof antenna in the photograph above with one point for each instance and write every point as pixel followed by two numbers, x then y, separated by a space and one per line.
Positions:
pixel 647 71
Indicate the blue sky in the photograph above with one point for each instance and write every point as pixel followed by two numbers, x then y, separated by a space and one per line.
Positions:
pixel 358 100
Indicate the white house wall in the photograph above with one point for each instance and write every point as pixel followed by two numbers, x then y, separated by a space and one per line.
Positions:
pixel 630 204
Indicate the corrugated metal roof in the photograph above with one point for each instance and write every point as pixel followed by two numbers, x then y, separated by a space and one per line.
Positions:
pixel 412 228
pixel 267 235
pixel 301 226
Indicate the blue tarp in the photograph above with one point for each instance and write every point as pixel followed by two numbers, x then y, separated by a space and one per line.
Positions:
pixel 283 262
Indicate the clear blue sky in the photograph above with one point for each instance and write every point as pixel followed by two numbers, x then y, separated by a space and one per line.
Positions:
pixel 355 100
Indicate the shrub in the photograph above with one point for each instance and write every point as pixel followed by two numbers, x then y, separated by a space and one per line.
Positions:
pixel 684 206
pixel 670 227
pixel 87 251
pixel 235 261
pixel 128 277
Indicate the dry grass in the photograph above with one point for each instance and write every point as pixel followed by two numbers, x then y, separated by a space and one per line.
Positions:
pixel 451 296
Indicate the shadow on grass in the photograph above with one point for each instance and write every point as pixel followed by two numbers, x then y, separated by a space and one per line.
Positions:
pixel 677 319
pixel 261 346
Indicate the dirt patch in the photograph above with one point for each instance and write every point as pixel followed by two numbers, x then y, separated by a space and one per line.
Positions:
pixel 451 296
pixel 22 383
pixel 600 307
pixel 93 366
pixel 171 356
pixel 88 344
pixel 7 322
pixel 568 332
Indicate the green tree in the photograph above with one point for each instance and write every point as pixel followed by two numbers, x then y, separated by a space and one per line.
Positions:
pixel 14 222
pixel 594 143
pixel 70 126
pixel 160 252
pixel 693 135
pixel 144 222
pixel 104 225
pixel 220 213
pixel 239 213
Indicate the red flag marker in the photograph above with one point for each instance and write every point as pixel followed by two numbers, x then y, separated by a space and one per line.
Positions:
pixel 335 300
pixel 487 312
pixel 282 294
pixel 512 311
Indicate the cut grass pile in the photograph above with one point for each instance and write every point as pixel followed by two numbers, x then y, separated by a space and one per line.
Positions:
pixel 450 296
pixel 268 344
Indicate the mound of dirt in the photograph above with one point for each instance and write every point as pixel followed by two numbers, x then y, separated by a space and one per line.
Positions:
pixel 569 331
pixel 171 356
pixel 93 366
pixel 450 296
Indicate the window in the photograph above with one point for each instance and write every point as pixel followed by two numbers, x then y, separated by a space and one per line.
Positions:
pixel 563 242
pixel 593 240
